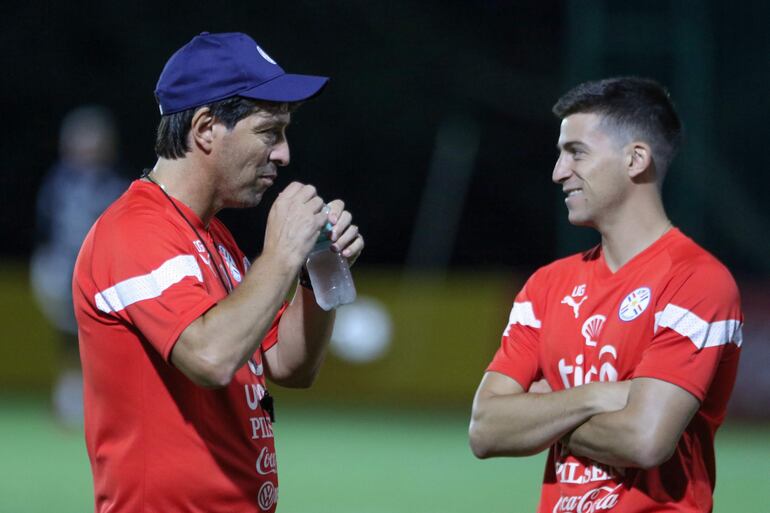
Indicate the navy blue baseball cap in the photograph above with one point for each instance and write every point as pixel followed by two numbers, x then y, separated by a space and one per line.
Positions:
pixel 213 67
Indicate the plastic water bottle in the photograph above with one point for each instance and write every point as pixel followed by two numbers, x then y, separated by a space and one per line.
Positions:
pixel 329 273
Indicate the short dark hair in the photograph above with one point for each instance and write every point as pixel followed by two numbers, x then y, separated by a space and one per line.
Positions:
pixel 640 106
pixel 173 129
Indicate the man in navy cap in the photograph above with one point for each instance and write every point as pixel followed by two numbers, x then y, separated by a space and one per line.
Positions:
pixel 178 329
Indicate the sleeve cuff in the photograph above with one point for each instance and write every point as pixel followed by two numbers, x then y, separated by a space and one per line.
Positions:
pixel 184 321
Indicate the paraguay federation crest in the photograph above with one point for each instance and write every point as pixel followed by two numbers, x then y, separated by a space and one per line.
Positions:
pixel 234 272
pixel 635 304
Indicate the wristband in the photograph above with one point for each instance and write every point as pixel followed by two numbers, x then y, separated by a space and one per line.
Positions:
pixel 304 278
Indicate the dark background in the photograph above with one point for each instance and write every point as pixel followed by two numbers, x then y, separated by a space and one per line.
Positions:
pixel 417 88
pixel 401 70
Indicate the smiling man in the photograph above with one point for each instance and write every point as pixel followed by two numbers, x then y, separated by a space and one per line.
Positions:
pixel 619 360
pixel 178 328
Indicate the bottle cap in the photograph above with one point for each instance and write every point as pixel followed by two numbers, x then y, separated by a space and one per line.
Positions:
pixel 325 237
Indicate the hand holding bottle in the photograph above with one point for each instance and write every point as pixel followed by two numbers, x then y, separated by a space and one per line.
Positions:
pixel 345 236
pixel 327 263
pixel 293 224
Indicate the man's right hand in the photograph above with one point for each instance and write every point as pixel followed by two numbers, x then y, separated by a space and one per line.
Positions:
pixel 293 224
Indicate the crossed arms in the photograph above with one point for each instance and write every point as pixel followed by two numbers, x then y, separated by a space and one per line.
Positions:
pixel 634 423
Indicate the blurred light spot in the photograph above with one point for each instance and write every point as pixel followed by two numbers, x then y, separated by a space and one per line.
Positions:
pixel 362 331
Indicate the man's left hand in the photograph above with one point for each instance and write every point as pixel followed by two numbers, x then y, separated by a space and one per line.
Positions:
pixel 345 236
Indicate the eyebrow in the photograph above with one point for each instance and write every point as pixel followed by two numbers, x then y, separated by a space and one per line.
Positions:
pixel 267 124
pixel 571 146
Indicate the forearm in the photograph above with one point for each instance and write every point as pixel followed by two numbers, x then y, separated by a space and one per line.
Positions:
pixel 525 423
pixel 219 342
pixel 644 433
pixel 303 335
pixel 607 438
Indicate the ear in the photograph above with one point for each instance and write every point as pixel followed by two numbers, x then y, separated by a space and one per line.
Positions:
pixel 202 129
pixel 639 158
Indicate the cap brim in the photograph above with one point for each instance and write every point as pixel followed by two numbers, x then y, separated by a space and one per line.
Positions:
pixel 287 88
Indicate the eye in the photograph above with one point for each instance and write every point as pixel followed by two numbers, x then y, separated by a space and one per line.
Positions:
pixel 269 135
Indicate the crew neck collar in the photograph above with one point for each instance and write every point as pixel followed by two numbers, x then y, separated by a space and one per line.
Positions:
pixel 156 190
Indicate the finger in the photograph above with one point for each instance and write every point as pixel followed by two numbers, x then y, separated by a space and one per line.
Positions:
pixel 306 193
pixel 315 205
pixel 292 189
pixel 319 220
pixel 345 238
pixel 336 208
pixel 354 249
pixel 342 224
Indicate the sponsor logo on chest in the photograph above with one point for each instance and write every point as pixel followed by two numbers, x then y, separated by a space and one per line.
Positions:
pixel 266 463
pixel 267 496
pixel 260 425
pixel 592 328
pixel 603 498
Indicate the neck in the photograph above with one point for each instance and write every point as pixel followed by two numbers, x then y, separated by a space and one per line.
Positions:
pixel 185 181
pixel 632 230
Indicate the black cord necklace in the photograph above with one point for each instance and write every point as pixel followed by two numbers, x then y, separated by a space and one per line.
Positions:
pixel 227 285
pixel 266 402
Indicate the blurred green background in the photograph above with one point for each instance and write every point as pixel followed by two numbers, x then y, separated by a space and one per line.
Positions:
pixel 344 460
pixel 381 436
pixel 436 130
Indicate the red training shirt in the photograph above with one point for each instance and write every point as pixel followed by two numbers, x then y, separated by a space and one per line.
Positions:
pixel 671 313
pixel 156 441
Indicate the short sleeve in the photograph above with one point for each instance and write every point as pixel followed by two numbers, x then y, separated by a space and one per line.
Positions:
pixel 698 323
pixel 517 356
pixel 147 275
pixel 271 337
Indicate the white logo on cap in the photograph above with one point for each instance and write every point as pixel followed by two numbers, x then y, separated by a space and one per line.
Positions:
pixel 266 56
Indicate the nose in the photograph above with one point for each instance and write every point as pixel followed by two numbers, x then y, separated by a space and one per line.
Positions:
pixel 561 170
pixel 280 153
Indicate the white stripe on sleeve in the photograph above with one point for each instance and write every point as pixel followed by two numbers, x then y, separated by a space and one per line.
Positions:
pixel 524 314
pixel 700 332
pixel 147 286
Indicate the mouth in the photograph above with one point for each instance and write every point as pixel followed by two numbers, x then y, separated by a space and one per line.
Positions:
pixel 269 178
pixel 572 193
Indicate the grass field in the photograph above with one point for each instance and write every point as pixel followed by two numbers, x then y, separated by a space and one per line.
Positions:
pixel 351 461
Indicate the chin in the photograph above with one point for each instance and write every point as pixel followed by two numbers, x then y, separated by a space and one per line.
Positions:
pixel 576 219
pixel 248 202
